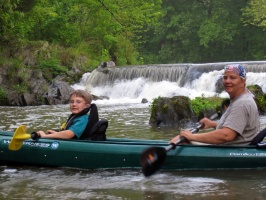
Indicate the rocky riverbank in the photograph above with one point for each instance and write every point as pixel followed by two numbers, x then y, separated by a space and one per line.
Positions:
pixel 39 74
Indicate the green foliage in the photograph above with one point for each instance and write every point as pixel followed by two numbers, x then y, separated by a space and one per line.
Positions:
pixel 126 53
pixel 165 107
pixel 154 103
pixel 14 66
pixel 52 65
pixel 20 88
pixel 153 106
pixel 3 95
pixel 14 21
pixel 135 32
pixel 254 14
pixel 207 31
pixel 261 103
pixel 105 54
pixel 99 24
pixel 200 104
pixel 260 97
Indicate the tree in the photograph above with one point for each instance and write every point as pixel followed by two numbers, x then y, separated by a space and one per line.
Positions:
pixel 255 13
pixel 101 25
pixel 205 31
pixel 14 26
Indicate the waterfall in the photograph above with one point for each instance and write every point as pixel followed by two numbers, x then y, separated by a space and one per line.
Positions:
pixel 132 83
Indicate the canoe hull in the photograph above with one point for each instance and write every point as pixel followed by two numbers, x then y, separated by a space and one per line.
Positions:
pixel 125 153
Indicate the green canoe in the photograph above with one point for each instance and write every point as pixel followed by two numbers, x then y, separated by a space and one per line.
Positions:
pixel 125 153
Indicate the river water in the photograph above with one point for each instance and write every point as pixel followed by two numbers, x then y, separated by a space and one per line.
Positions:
pixel 129 120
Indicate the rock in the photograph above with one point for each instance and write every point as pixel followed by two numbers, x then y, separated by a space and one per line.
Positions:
pixel 103 67
pixel 256 89
pixel 38 86
pixel 100 97
pixel 111 64
pixel 171 111
pixel 79 63
pixel 28 100
pixel 14 98
pixel 144 100
pixel 58 93
pixel 219 85
pixel 260 97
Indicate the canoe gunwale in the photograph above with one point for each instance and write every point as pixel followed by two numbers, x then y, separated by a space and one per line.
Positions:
pixel 133 141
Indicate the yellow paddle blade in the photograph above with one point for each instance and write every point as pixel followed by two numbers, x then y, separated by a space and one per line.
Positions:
pixel 19 136
pixel 63 126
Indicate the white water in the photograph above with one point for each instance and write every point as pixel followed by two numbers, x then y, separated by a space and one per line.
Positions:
pixel 127 121
pixel 133 91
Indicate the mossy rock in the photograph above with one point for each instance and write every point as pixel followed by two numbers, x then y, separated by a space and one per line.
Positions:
pixel 170 111
pixel 260 98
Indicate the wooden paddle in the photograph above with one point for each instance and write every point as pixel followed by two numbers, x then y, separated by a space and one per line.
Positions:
pixel 19 136
pixel 152 158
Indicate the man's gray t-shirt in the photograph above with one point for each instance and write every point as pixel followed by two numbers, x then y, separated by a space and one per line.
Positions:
pixel 241 116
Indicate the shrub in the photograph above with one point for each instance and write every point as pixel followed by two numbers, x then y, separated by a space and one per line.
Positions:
pixel 52 65
pixel 20 88
pixel 200 104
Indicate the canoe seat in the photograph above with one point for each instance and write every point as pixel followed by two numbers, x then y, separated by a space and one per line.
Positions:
pixel 259 137
pixel 96 128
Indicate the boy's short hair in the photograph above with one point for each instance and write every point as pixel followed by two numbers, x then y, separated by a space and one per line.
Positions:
pixel 83 94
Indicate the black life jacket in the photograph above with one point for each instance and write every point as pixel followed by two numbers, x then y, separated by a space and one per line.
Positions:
pixel 95 129
pixel 74 116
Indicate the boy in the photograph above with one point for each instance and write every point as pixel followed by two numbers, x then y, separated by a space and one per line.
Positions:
pixel 79 104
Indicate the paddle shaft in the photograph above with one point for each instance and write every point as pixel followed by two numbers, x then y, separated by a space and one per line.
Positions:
pixel 214 116
pixel 183 139
pixel 194 130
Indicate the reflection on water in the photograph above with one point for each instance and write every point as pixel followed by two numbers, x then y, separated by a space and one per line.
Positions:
pixel 130 121
pixel 57 183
